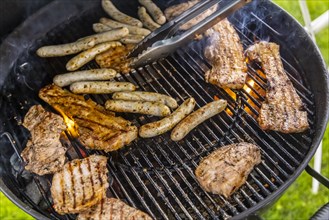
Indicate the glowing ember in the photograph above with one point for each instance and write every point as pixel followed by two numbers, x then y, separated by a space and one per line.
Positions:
pixel 251 84
pixel 71 126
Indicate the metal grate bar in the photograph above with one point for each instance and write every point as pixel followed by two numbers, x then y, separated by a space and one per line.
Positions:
pixel 183 178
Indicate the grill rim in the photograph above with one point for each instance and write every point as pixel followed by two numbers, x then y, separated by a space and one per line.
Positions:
pixel 23 32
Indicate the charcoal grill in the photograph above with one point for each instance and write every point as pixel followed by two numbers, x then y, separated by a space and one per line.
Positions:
pixel 157 175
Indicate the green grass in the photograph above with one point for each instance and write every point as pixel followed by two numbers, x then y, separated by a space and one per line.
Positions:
pixel 298 202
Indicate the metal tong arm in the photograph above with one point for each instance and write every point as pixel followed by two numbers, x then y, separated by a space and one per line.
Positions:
pixel 163 46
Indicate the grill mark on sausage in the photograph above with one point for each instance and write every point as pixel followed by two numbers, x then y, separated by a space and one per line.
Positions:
pixel 111 211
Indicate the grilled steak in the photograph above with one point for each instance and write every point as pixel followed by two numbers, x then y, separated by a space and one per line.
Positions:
pixel 176 10
pixel 225 54
pixel 111 209
pixel 44 153
pixel 80 185
pixel 116 58
pixel 283 109
pixel 98 128
pixel 227 168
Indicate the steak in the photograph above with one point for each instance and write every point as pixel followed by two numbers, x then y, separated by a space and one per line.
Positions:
pixel 112 209
pixel 227 168
pixel 225 54
pixel 282 109
pixel 98 128
pixel 81 184
pixel 44 153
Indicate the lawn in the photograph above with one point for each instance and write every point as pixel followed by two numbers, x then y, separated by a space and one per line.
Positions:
pixel 298 202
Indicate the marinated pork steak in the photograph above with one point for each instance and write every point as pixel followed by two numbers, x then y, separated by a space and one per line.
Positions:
pixel 282 109
pixel 98 128
pixel 227 168
pixel 81 184
pixel 225 54
pixel 112 209
pixel 44 153
pixel 176 10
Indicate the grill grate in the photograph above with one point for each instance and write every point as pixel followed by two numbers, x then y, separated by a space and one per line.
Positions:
pixel 157 175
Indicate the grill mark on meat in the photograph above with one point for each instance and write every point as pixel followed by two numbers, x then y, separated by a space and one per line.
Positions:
pixel 72 185
pixel 62 187
pixel 227 168
pixel 282 109
pixel 82 184
pixel 111 210
pixel 225 54
pixel 91 178
pixel 100 123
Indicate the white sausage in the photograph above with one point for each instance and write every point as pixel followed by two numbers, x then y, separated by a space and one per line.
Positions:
pixel 88 55
pixel 196 118
pixel 66 49
pixel 132 29
pixel 147 20
pixel 101 87
pixel 167 123
pixel 86 75
pixel 99 28
pixel 132 39
pixel 111 35
pixel 111 10
pixel 154 10
pixel 148 108
pixel 146 96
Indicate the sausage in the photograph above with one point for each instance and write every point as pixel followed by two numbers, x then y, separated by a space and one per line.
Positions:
pixel 167 123
pixel 132 39
pixel 154 10
pixel 147 20
pixel 86 75
pixel 111 35
pixel 132 29
pixel 88 55
pixel 111 10
pixel 148 108
pixel 66 49
pixel 101 87
pixel 146 96
pixel 99 28
pixel 196 118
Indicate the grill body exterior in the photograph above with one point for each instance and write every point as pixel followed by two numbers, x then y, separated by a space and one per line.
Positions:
pixel 157 175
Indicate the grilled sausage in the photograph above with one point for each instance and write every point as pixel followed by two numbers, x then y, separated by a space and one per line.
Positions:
pixel 86 75
pixel 111 10
pixel 101 87
pixel 146 96
pixel 148 108
pixel 111 35
pixel 154 10
pixel 99 28
pixel 66 49
pixel 196 118
pixel 132 39
pixel 167 123
pixel 88 55
pixel 132 29
pixel 147 20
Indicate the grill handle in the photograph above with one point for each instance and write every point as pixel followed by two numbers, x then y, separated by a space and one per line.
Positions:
pixel 322 179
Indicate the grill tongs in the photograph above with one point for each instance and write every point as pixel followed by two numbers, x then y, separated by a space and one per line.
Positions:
pixel 164 41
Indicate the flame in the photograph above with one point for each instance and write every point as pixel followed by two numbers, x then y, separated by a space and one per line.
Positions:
pixel 71 126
